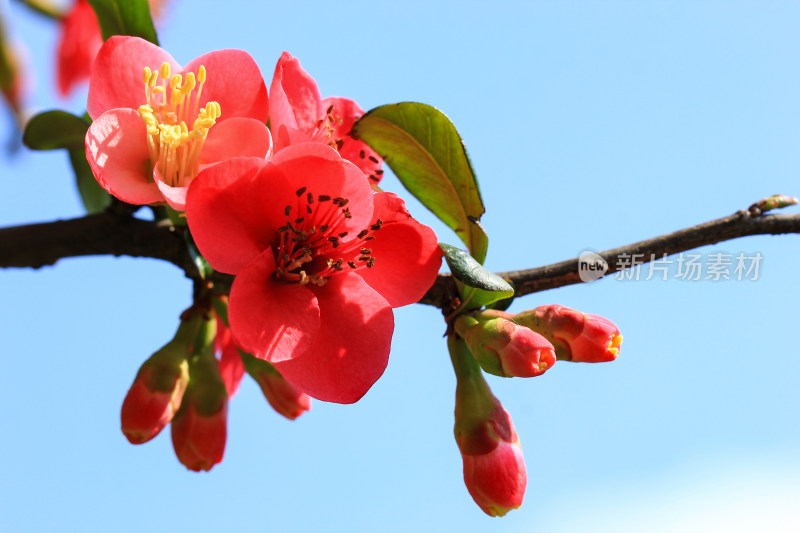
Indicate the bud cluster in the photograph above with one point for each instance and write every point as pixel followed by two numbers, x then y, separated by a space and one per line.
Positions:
pixel 522 345
pixel 186 384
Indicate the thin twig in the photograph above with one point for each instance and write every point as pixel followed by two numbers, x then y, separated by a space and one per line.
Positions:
pixel 109 233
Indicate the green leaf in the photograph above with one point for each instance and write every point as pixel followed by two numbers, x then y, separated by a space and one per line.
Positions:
pixel 55 129
pixel 95 199
pixel 482 286
pixel 424 150
pixel 125 17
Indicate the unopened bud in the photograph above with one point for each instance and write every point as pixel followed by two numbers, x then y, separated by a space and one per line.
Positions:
pixel 158 389
pixel 281 395
pixel 199 430
pixel 494 469
pixel 503 347
pixel 577 336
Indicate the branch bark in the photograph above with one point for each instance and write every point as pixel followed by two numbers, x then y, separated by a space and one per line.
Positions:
pixel 108 233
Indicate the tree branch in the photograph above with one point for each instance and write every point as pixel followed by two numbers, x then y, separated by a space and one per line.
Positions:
pixel 109 233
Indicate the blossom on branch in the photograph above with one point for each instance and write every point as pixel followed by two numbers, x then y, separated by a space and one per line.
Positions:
pixel 157 124
pixel 298 114
pixel 319 260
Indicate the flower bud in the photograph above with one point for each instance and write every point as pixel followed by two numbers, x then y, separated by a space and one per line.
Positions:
pixel 158 389
pixel 199 430
pixel 281 395
pixel 577 336
pixel 494 469
pixel 503 347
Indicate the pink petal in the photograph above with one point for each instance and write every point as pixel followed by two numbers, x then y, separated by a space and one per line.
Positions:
pixel 231 367
pixel 407 254
pixel 351 349
pixel 319 168
pixel 174 196
pixel 236 137
pixel 355 151
pixel 117 73
pixel 77 47
pixel 286 136
pixel 269 319
pixel 224 208
pixel 294 96
pixel 235 82
pixel 116 147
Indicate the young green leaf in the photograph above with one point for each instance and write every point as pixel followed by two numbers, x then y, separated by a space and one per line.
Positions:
pixel 480 286
pixel 56 129
pixel 424 150
pixel 125 17
pixel 95 199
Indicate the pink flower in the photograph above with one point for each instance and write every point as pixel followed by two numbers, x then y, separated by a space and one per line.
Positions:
pixel 78 45
pixel 157 124
pixel 79 42
pixel 320 261
pixel 577 336
pixel 503 347
pixel 298 114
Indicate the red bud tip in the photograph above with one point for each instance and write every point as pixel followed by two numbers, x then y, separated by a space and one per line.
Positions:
pixel 578 337
pixel 503 347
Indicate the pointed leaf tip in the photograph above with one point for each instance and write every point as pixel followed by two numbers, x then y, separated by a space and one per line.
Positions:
pixel 423 148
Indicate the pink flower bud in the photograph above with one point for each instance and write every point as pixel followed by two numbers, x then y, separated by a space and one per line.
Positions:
pixel 198 437
pixel 199 430
pixel 153 400
pixel 281 395
pixel 494 469
pixel 503 347
pixel 577 336
pixel 496 480
pixel 158 389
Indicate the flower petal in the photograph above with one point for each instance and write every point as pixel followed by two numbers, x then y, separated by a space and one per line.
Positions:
pixel 355 151
pixel 351 349
pixel 321 170
pixel 174 196
pixel 235 82
pixel 117 73
pixel 294 96
pixel 270 319
pixel 236 137
pixel 224 208
pixel 77 47
pixel 407 254
pixel 116 148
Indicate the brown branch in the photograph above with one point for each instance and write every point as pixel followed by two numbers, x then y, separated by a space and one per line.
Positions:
pixel 739 224
pixel 117 234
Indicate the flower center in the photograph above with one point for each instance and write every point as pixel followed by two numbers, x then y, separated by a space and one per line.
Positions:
pixel 325 129
pixel 310 251
pixel 171 105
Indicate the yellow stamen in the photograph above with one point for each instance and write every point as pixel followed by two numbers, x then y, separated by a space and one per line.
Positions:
pixel 175 148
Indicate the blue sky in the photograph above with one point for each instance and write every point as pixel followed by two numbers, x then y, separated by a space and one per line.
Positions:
pixel 590 125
